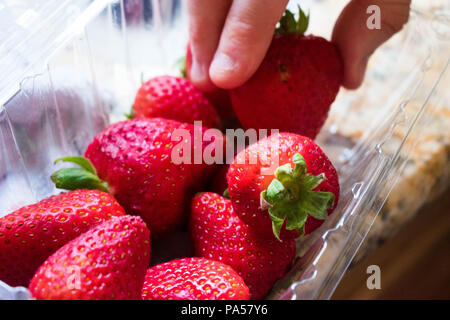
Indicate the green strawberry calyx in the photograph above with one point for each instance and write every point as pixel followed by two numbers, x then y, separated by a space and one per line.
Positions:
pixel 290 197
pixel 130 115
pixel 83 177
pixel 181 64
pixel 289 25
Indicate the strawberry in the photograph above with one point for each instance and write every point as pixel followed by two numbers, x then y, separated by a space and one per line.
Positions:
pixel 134 162
pixel 295 85
pixel 219 234
pixel 284 179
pixel 193 279
pixel 32 233
pixel 108 262
pixel 174 98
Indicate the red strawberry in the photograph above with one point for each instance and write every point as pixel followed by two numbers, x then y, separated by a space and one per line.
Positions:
pixel 174 98
pixel 107 262
pixel 136 159
pixel 31 234
pixel 299 189
pixel 193 279
pixel 219 234
pixel 294 86
pixel 219 97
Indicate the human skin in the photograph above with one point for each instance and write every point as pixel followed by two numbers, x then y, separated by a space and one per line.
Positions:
pixel 229 38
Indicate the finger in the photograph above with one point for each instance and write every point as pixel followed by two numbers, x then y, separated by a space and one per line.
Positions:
pixel 206 20
pixel 246 36
pixel 357 42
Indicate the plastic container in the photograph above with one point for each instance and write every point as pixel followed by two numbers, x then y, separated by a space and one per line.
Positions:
pixel 71 67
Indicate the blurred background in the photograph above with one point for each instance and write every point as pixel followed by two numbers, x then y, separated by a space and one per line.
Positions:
pixel 414 262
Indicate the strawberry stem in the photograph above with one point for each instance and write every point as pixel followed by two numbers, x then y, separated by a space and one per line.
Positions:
pixel 290 197
pixel 289 25
pixel 181 63
pixel 130 115
pixel 84 177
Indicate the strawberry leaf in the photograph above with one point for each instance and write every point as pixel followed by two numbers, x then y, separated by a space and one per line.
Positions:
pixel 81 161
pixel 275 191
pixel 84 177
pixel 290 197
pixel 303 21
pixel 284 173
pixel 130 115
pixel 77 178
pixel 277 223
pixel 289 25
pixel 310 181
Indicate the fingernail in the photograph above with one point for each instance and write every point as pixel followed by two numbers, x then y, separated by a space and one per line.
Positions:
pixel 223 63
pixel 199 72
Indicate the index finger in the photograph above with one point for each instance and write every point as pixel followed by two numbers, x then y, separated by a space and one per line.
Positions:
pixel 246 36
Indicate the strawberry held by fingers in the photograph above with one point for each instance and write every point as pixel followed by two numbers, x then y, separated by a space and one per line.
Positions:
pixel 295 85
pixel 174 98
pixel 133 159
pixel 193 279
pixel 295 196
pixel 32 233
pixel 106 263
pixel 219 234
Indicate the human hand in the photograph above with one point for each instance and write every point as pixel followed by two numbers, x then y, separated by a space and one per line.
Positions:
pixel 229 38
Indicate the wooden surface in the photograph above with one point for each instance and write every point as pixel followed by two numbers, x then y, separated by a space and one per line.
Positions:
pixel 414 263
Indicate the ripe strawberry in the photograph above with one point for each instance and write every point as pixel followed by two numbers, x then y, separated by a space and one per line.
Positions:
pixel 32 233
pixel 108 262
pixel 136 159
pixel 294 86
pixel 193 279
pixel 174 98
pixel 298 194
pixel 219 234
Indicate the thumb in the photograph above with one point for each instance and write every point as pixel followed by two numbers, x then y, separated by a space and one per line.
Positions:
pixel 356 41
